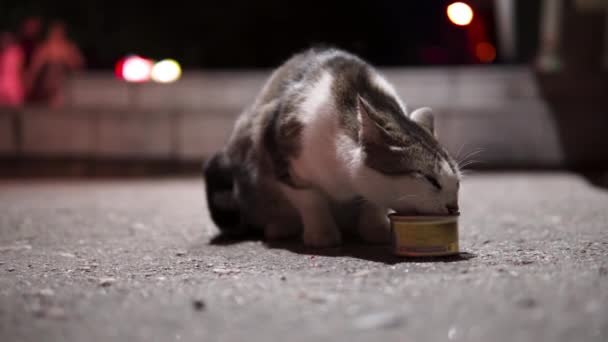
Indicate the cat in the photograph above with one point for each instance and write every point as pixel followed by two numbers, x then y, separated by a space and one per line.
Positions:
pixel 327 134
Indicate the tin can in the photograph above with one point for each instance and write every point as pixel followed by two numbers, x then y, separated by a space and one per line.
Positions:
pixel 422 236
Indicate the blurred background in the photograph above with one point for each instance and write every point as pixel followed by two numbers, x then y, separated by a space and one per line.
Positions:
pixel 123 88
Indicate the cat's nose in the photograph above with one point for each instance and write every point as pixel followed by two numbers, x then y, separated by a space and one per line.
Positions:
pixel 452 209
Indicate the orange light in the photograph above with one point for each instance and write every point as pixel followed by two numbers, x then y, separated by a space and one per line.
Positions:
pixel 485 52
pixel 460 13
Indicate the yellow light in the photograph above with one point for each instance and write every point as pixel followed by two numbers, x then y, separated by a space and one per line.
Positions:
pixel 460 13
pixel 166 71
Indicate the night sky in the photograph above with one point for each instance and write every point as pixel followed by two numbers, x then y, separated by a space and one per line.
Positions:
pixel 246 34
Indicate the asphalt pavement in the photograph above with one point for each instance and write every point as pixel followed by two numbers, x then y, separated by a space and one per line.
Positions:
pixel 132 260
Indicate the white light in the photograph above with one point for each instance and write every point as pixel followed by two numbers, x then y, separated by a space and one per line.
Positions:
pixel 166 71
pixel 136 69
pixel 460 13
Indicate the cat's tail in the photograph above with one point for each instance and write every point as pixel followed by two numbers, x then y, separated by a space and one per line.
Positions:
pixel 222 200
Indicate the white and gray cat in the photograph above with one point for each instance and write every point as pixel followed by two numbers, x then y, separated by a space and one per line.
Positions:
pixel 327 135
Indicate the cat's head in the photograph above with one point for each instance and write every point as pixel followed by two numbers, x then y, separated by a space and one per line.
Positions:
pixel 401 164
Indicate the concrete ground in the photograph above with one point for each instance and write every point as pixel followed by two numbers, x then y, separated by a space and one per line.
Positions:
pixel 118 260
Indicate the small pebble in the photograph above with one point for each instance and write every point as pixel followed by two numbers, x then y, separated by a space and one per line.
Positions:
pixel 11 269
pixel 362 273
pixel 180 253
pixel 139 226
pixel 15 248
pixel 46 292
pixel 198 305
pixel 527 302
pixel 452 333
pixel 379 320
pixel 283 278
pixel 54 312
pixel 105 282
pixel 225 270
pixel 317 299
pixel 66 254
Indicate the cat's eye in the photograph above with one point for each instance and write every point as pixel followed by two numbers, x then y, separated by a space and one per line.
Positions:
pixel 433 181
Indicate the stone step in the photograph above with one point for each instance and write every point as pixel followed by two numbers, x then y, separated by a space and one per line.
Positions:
pixel 498 111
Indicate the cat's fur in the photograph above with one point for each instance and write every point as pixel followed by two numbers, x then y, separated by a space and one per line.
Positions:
pixel 327 132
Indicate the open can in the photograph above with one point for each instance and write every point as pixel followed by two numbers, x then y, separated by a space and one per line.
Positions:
pixel 423 236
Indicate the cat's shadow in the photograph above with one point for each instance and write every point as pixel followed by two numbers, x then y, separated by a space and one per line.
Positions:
pixel 352 249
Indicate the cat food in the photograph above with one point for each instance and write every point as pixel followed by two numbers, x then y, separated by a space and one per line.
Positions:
pixel 417 236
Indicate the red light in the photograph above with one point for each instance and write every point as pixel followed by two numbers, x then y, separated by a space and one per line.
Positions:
pixel 118 68
pixel 133 69
pixel 485 52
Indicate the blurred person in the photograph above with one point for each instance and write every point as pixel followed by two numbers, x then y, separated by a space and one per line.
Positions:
pixel 29 37
pixel 52 61
pixel 11 71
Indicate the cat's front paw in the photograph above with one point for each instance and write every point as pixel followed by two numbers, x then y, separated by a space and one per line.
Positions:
pixel 322 238
pixel 374 226
pixel 281 231
pixel 376 234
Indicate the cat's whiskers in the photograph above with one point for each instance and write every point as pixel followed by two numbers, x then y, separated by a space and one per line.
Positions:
pixel 470 162
pixel 468 172
pixel 459 150
pixel 470 154
pixel 467 159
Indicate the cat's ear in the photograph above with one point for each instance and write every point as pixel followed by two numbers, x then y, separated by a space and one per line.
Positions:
pixel 424 117
pixel 369 130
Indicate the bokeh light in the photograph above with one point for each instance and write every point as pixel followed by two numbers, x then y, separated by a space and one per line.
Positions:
pixel 460 13
pixel 120 64
pixel 136 69
pixel 485 52
pixel 166 71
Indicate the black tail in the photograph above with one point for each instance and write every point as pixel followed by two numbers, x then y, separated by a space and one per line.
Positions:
pixel 222 201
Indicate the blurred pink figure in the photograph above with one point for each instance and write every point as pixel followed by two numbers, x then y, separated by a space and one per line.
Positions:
pixel 11 71
pixel 52 61
pixel 29 37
